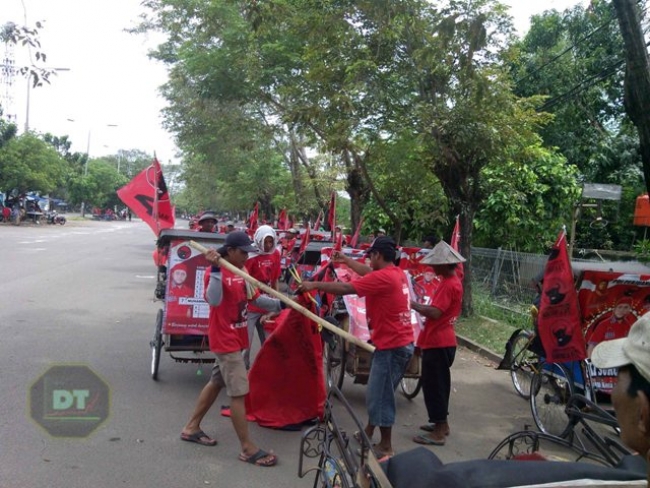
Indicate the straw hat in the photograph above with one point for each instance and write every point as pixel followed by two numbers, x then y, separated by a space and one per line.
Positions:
pixel 443 253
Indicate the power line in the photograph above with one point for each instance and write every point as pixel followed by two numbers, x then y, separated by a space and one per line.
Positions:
pixel 570 48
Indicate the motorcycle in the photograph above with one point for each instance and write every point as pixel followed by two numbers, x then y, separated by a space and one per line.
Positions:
pixel 55 218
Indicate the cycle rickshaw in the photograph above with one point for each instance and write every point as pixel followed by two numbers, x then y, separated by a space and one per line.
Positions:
pixel 570 402
pixel 342 358
pixel 182 323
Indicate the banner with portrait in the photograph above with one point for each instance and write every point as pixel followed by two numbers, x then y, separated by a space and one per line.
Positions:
pixel 610 303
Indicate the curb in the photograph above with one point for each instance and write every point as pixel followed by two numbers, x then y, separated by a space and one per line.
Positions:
pixel 477 348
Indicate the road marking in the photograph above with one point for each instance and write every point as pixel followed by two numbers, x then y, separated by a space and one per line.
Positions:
pixel 146 277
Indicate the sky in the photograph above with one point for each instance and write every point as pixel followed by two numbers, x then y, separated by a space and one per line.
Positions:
pixel 105 95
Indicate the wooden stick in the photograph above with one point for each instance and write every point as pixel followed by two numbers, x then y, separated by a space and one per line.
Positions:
pixel 286 300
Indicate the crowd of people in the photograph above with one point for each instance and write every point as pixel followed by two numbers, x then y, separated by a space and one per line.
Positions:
pixel 237 316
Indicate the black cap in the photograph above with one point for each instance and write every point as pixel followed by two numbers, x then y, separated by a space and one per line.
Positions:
pixel 382 243
pixel 237 239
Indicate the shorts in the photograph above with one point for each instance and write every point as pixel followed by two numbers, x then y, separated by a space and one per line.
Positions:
pixel 230 371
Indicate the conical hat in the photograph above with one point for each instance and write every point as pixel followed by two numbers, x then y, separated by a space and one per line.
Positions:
pixel 443 253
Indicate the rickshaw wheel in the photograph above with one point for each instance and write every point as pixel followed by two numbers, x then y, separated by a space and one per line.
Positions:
pixel 334 357
pixel 410 387
pixel 550 390
pixel 523 363
pixel 156 346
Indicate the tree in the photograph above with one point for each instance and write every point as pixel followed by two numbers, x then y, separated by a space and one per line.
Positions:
pixel 29 164
pixel 637 76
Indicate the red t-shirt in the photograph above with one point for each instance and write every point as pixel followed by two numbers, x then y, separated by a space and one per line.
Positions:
pixel 264 268
pixel 387 306
pixel 611 328
pixel 448 299
pixel 228 330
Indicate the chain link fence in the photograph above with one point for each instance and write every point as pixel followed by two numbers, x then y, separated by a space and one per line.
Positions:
pixel 503 283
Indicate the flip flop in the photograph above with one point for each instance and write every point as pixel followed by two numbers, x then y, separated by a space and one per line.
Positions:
pixel 258 456
pixel 199 437
pixel 427 441
pixel 430 427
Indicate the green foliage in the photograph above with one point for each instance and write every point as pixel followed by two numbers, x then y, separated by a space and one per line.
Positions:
pixel 536 186
pixel 29 164
pixel 98 187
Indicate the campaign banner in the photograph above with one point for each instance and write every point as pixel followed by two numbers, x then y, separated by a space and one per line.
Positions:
pixel 610 303
pixel 186 311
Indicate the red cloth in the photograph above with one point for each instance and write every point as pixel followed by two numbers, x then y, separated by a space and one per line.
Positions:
pixel 448 299
pixel 559 320
pixel 228 330
pixel 287 385
pixel 387 306
pixel 455 245
pixel 147 196
pixel 282 220
pixel 253 220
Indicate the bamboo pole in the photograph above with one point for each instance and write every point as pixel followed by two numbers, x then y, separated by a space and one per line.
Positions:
pixel 286 300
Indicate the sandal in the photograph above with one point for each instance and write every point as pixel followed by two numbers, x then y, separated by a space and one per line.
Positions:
pixel 258 458
pixel 199 437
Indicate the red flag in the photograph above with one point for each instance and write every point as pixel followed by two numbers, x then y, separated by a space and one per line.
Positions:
pixel 559 321
pixel 282 220
pixel 318 219
pixel 295 345
pixel 304 241
pixel 146 194
pixel 331 217
pixel 252 221
pixel 338 245
pixel 357 233
pixel 455 245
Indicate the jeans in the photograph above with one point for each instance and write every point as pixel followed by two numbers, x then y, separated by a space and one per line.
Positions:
pixel 386 371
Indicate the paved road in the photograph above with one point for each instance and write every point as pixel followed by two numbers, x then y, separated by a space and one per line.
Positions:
pixel 82 293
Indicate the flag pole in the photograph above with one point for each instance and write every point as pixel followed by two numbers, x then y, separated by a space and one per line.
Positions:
pixel 287 301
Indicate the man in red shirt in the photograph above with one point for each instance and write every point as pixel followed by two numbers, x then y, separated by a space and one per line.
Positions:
pixel 386 289
pixel 614 326
pixel 264 266
pixel 438 341
pixel 228 297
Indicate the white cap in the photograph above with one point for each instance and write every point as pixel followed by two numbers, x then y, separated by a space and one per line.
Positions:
pixel 633 349
pixel 443 253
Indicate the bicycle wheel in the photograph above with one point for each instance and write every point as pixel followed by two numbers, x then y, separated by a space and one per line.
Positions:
pixel 156 346
pixel 410 387
pixel 523 363
pixel 550 390
pixel 334 356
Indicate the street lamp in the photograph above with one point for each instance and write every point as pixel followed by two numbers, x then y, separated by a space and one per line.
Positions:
pixel 83 204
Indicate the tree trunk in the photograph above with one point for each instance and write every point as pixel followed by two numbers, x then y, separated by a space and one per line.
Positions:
pixel 637 76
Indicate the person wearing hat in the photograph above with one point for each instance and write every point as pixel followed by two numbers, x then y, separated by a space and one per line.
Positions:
pixel 631 394
pixel 385 288
pixel 380 233
pixel 207 221
pixel 613 326
pixel 438 341
pixel 228 296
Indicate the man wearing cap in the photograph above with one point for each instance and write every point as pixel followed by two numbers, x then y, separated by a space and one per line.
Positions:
pixel 207 221
pixel 438 341
pixel 385 287
pixel 228 296
pixel 631 395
